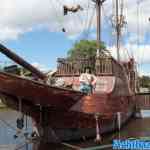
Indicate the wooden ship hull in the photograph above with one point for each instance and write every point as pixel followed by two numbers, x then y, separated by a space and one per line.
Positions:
pixel 67 114
pixel 80 121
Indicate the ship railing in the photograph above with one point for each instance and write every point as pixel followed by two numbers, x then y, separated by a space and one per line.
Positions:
pixel 67 67
pixel 100 66
pixel 76 67
pixel 103 66
pixel 143 101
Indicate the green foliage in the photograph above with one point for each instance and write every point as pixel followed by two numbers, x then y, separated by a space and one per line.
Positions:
pixel 15 69
pixel 26 72
pixel 145 81
pixel 84 49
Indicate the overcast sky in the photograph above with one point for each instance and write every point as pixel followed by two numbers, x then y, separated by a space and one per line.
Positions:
pixel 33 29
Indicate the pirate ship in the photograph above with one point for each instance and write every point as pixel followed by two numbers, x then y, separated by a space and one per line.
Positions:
pixel 66 114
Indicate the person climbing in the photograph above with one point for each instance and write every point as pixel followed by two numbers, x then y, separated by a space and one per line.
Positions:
pixel 87 81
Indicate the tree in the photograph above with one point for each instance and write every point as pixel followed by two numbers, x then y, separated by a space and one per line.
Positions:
pixel 84 49
pixel 145 81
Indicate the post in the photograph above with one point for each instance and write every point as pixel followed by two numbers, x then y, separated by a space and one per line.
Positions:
pixel 98 136
pixel 119 122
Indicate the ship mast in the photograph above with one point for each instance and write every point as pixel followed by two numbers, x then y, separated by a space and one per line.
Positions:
pixel 119 23
pixel 118 32
pixel 99 4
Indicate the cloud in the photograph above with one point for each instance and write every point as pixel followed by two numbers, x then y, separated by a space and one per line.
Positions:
pixel 140 53
pixel 19 17
pixel 40 67
pixel 143 72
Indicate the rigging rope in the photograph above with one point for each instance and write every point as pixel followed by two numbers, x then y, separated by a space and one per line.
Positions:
pixel 124 7
pixel 87 15
pixel 138 26
pixel 140 56
pixel 89 24
pixel 23 131
pixel 85 22
pixel 130 54
pixel 142 51
pixel 8 124
pixel 60 18
pixel 109 22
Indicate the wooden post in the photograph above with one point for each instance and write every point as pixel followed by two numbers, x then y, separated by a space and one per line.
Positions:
pixel 119 122
pixel 98 136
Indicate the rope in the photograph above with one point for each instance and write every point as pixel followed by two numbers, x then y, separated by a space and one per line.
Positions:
pixel 139 57
pixel 12 127
pixel 87 30
pixel 84 25
pixel 130 55
pixel 7 124
pixel 60 20
pixel 138 26
pixel 27 141
pixel 87 15
pixel 109 22
pixel 142 53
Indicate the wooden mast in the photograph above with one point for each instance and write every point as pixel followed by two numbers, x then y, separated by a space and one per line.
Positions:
pixel 118 32
pixel 119 23
pixel 99 4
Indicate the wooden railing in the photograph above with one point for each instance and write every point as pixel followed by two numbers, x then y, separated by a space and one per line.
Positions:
pixel 99 66
pixel 103 66
pixel 68 67
pixel 143 101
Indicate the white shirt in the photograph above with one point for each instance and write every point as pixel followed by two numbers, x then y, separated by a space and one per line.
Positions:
pixel 87 78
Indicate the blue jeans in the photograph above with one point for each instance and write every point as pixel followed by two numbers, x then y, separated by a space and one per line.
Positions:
pixel 85 88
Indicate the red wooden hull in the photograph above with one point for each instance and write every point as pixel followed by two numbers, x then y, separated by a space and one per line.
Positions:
pixel 37 93
pixel 70 113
